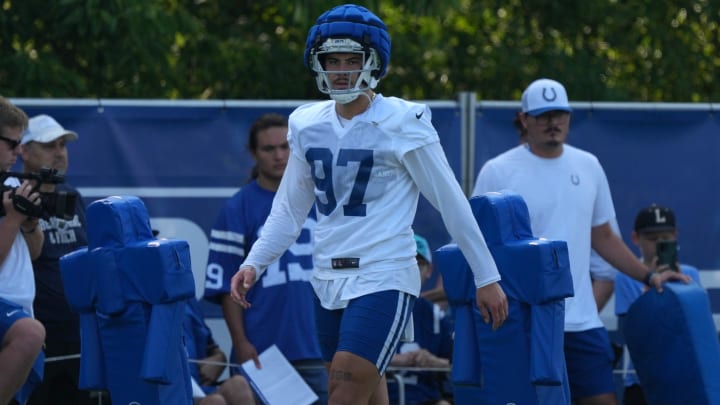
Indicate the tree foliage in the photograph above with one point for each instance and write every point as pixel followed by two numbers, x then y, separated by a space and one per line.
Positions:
pixel 604 50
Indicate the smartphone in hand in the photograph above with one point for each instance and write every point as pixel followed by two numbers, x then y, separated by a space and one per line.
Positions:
pixel 667 253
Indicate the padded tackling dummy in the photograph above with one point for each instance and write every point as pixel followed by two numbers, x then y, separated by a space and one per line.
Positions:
pixel 674 346
pixel 130 290
pixel 523 361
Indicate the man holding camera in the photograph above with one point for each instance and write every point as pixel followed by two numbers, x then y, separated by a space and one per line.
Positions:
pixel 654 228
pixel 20 241
pixel 44 147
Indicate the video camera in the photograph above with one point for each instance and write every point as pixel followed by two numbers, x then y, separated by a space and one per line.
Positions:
pixel 59 204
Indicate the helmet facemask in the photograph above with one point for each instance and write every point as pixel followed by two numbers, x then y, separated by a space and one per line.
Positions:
pixel 365 77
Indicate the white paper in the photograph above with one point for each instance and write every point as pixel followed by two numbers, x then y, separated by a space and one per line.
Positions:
pixel 197 392
pixel 277 382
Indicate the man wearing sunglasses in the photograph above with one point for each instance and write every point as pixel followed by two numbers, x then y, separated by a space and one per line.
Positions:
pixel 21 241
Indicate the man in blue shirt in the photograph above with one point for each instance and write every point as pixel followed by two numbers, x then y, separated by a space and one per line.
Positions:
pixel 652 225
pixel 283 294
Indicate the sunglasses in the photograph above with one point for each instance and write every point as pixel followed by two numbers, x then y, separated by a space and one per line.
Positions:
pixel 11 143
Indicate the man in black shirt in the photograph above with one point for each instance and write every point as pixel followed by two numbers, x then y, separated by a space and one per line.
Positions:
pixel 44 146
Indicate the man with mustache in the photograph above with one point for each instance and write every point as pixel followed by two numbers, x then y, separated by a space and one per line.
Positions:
pixel 568 197
pixel 44 145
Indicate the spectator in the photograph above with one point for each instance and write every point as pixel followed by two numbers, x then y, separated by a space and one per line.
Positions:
pixel 653 224
pixel 45 147
pixel 20 242
pixel 284 314
pixel 206 370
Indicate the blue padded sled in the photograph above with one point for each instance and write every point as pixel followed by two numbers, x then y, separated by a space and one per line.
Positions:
pixel 673 343
pixel 523 362
pixel 130 290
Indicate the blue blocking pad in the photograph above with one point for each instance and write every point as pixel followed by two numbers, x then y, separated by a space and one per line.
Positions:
pixel 130 290
pixel 523 362
pixel 674 346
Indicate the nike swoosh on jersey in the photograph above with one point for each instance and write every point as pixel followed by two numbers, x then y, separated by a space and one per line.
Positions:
pixel 11 313
pixel 420 114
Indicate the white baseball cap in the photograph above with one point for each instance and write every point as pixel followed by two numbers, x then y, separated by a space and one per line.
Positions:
pixel 43 129
pixel 544 95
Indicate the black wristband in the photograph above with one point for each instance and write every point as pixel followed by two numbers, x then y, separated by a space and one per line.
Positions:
pixel 649 275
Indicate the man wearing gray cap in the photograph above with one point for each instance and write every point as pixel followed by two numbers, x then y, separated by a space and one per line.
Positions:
pixel 44 145
pixel 568 198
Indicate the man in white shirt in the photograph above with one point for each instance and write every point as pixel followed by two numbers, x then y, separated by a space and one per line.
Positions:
pixel 569 199
pixel 21 241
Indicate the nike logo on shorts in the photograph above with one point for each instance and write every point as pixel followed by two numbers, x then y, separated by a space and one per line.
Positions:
pixel 11 313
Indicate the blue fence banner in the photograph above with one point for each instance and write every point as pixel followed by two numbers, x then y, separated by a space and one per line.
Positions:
pixel 185 158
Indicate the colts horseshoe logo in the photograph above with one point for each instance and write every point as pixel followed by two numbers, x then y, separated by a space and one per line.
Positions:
pixel 554 95
pixel 574 179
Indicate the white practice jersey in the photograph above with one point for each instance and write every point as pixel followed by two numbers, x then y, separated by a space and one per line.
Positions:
pixel 566 197
pixel 365 176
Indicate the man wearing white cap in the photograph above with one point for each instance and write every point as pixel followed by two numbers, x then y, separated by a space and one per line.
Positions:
pixel 44 146
pixel 568 197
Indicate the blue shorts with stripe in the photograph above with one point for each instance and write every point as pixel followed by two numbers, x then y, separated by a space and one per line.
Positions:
pixel 370 326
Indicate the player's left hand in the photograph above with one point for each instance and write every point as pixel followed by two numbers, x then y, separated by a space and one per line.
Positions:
pixel 492 303
pixel 663 274
pixel 241 283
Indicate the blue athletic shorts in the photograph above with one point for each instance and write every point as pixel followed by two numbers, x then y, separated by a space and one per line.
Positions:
pixel 9 314
pixel 370 326
pixel 589 359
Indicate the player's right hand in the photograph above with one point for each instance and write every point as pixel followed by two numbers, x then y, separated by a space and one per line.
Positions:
pixel 492 303
pixel 241 283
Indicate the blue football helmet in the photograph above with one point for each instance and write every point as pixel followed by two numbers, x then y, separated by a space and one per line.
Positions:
pixel 348 29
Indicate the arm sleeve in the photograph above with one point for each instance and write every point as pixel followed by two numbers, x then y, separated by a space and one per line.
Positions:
pixel 431 172
pixel 290 208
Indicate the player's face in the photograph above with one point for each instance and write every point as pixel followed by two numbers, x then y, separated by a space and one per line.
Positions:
pixel 9 146
pixel 53 154
pixel 547 132
pixel 646 241
pixel 272 153
pixel 343 63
